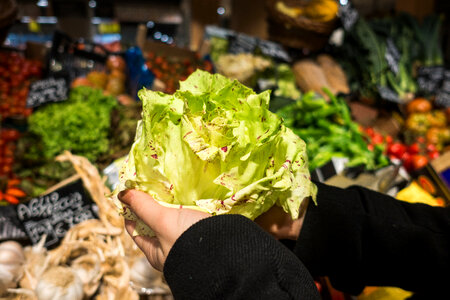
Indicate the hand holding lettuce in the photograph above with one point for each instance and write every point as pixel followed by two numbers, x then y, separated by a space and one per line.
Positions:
pixel 214 146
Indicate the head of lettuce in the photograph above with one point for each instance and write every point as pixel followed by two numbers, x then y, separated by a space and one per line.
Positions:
pixel 214 146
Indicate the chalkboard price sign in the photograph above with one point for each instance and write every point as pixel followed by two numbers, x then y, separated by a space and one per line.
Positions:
pixel 55 213
pixel 348 14
pixel 10 226
pixel 388 94
pixel 46 91
pixel 242 43
pixel 274 50
pixel 392 55
pixel 430 78
pixel 443 95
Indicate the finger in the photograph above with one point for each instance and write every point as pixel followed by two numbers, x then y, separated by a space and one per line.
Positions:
pixel 145 207
pixel 129 226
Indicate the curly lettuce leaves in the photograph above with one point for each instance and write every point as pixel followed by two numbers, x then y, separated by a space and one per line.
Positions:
pixel 214 146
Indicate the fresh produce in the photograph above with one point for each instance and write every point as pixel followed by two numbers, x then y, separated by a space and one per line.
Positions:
pixel 285 83
pixel 10 191
pixel 317 10
pixel 80 124
pixel 215 146
pixel 11 260
pixel 310 77
pixel 364 51
pixel 323 72
pixel 243 67
pixel 170 70
pixel 427 122
pixel 8 139
pixel 329 132
pixel 336 77
pixel 16 73
pixel 111 81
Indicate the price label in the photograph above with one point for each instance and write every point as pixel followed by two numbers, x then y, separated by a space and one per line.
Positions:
pixel 388 94
pixel 55 213
pixel 274 50
pixel 430 79
pixel 10 226
pixel 392 55
pixel 443 95
pixel 218 32
pixel 348 14
pixel 47 91
pixel 242 43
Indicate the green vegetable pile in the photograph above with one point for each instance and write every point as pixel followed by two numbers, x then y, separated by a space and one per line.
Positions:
pixel 214 146
pixel 329 132
pixel 80 124
pixel 363 53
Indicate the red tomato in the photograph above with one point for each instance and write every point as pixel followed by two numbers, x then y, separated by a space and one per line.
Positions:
pixel 433 154
pixel 377 139
pixel 419 161
pixel 396 149
pixel 370 131
pixel 407 161
pixel 389 139
pixel 431 148
pixel 414 148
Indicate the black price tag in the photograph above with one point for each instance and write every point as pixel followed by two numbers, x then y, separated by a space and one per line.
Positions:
pixel 55 213
pixel 388 94
pixel 430 79
pixel 274 50
pixel 242 43
pixel 10 226
pixel 392 55
pixel 46 91
pixel 218 32
pixel 348 14
pixel 443 95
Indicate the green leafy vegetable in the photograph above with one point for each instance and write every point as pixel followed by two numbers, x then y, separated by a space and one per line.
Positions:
pixel 329 132
pixel 80 124
pixel 215 146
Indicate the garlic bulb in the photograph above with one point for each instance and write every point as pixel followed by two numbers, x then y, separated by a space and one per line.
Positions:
pixel 59 283
pixel 11 261
pixel 143 274
pixel 88 270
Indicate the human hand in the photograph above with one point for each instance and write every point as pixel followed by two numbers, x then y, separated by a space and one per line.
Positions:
pixel 280 224
pixel 167 223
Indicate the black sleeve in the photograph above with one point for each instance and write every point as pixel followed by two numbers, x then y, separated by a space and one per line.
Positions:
pixel 359 237
pixel 230 257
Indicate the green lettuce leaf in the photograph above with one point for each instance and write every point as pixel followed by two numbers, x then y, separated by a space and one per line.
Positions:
pixel 214 146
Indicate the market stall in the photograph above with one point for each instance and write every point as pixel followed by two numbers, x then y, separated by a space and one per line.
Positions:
pixel 369 96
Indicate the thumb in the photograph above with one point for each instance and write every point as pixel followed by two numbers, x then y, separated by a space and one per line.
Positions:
pixel 145 207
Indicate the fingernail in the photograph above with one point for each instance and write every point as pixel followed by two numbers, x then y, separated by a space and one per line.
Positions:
pixel 122 194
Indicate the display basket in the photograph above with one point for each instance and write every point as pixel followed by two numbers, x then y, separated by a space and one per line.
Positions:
pixel 299 32
pixel 8 14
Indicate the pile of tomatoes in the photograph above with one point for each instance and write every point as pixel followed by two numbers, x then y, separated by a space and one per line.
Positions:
pixel 8 139
pixel 413 156
pixel 16 72
pixel 170 72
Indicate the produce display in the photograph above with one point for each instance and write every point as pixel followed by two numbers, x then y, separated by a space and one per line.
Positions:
pixel 171 70
pixel 16 73
pixel 367 45
pixel 318 10
pixel 112 82
pixel 323 72
pixel 235 130
pixel 244 160
pixel 97 259
pixel 329 131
